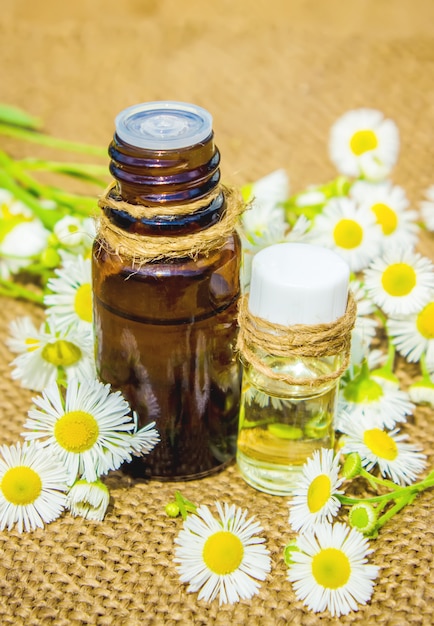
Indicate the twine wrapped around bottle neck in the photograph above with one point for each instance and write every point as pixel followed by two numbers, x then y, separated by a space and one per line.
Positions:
pixel 299 340
pixel 141 249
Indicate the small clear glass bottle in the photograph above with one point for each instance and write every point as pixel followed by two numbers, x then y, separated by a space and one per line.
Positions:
pixel 281 423
pixel 166 328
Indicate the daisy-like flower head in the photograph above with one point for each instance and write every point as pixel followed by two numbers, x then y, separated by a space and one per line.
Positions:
pixel 402 462
pixel 70 304
pixel 413 335
pixel 365 327
pixel 364 144
pixel 47 354
pixel 427 208
pixel 90 430
pixel 350 231
pixel 264 220
pixel 263 223
pixel 221 557
pixel 314 498
pixel 422 392
pixel 88 500
pixel 400 281
pixel 22 236
pixel 389 204
pixel 31 487
pixel 376 394
pixel 329 569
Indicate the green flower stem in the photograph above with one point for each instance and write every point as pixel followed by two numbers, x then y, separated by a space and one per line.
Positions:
pixel 386 371
pixel 47 217
pixel 51 142
pixel 90 172
pixel 415 488
pixel 83 205
pixel 424 369
pixel 14 290
pixel 185 506
pixel 375 480
pixel 400 504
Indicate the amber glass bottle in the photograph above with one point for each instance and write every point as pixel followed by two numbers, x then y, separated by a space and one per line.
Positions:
pixel 166 326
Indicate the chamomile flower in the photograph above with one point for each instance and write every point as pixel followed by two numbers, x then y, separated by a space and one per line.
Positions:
pixel 402 462
pixel 263 223
pixel 70 304
pixel 90 430
pixel 422 391
pixel 88 500
pixel 413 335
pixel 350 231
pixel 314 498
pixel 329 569
pixel 389 204
pixel 31 487
pixel 365 327
pixel 49 354
pixel 364 144
pixel 380 396
pixel 400 281
pixel 221 557
pixel 22 236
pixel 427 208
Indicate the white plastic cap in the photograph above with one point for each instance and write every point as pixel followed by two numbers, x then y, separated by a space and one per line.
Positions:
pixel 298 283
pixel 163 125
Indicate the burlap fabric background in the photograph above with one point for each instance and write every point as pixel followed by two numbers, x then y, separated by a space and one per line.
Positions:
pixel 275 75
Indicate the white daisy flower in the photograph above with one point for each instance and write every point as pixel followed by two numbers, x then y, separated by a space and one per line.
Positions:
pixel 389 204
pixel 69 231
pixel 70 304
pixel 329 569
pixel 427 208
pixel 413 335
pixel 90 430
pixel 402 462
pixel 31 487
pixel 400 281
pixel 314 498
pixel 350 231
pixel 88 500
pixel 221 557
pixel 378 395
pixel 263 223
pixel 49 354
pixel 365 327
pixel 422 392
pixel 364 144
pixel 22 236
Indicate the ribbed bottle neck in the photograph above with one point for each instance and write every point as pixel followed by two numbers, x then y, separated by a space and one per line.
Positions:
pixel 164 177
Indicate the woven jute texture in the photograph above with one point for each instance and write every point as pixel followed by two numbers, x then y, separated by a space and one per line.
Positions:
pixel 275 75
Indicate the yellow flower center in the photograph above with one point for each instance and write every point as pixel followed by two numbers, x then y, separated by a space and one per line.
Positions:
pixel 223 552
pixel 348 234
pixel 380 443
pixel 61 353
pixel 425 321
pixel 386 217
pixel 83 302
pixel 32 344
pixel 21 485
pixel 398 279
pixel 76 431
pixel 318 493
pixel 362 141
pixel 331 568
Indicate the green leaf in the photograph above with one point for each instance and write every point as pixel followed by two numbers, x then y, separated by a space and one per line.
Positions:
pixel 17 117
